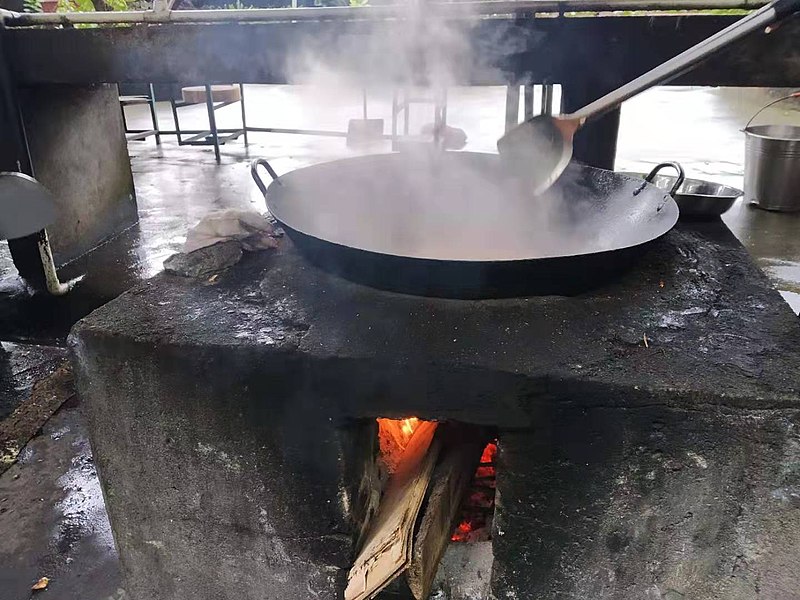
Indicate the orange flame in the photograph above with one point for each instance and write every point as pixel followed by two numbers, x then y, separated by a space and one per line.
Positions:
pixel 398 430
pixel 407 426
pixel 394 435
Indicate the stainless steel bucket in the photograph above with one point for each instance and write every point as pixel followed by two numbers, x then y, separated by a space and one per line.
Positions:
pixel 772 164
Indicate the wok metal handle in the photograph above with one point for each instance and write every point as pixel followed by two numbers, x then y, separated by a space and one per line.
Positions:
pixel 678 181
pixel 257 178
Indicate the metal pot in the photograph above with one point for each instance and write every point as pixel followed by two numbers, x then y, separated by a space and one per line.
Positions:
pixel 772 164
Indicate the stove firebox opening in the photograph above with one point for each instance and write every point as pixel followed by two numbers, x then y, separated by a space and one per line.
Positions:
pixel 428 484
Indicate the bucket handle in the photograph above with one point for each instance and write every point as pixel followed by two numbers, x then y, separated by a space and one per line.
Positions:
pixel 763 108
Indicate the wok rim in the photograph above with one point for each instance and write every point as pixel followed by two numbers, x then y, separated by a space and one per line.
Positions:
pixel 668 204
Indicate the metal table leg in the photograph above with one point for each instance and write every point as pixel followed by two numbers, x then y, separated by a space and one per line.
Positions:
pixel 244 117
pixel 124 119
pixel 153 115
pixel 528 111
pixel 175 117
pixel 547 99
pixel 212 121
pixel 512 106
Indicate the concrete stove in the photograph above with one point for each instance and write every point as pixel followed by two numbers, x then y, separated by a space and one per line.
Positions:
pixel 649 435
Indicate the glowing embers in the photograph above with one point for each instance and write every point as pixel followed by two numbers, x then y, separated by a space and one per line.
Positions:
pixel 477 508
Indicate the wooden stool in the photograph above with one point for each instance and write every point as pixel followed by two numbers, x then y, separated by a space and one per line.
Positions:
pixel 214 97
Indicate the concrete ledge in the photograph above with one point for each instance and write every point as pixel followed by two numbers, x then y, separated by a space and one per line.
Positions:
pixel 491 51
pixel 716 334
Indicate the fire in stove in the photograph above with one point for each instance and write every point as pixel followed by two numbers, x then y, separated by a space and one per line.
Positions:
pixel 477 508
pixel 393 437
pixel 439 487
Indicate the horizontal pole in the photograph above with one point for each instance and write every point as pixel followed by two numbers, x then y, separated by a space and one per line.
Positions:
pixel 240 130
pixel 450 9
pixel 135 135
pixel 316 132
pixel 204 132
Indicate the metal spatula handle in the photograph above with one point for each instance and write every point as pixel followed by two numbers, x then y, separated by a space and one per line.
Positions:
pixel 686 60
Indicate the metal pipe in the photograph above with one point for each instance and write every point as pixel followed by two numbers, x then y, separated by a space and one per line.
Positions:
pixel 19 157
pixel 450 9
pixel 512 106
pixel 316 132
pixel 547 99
pixel 527 90
pixel 54 285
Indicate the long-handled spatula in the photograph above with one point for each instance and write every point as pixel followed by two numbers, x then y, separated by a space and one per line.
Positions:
pixel 539 149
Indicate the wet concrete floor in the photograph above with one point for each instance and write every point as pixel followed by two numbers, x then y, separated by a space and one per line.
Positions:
pixel 52 520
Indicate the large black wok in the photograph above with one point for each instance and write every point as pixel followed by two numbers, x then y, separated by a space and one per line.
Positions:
pixel 456 224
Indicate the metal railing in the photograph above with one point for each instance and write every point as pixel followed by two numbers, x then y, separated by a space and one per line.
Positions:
pixel 162 14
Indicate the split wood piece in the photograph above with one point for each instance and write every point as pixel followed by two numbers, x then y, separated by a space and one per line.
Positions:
pixel 47 396
pixel 387 551
pixel 393 440
pixel 449 484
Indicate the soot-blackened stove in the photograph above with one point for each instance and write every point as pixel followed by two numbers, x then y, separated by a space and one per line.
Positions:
pixel 647 433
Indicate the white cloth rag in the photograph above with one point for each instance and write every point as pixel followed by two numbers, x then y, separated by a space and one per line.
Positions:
pixel 252 229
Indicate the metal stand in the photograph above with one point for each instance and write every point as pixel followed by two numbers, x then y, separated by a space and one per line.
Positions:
pixel 141 134
pixel 512 103
pixel 401 105
pixel 211 136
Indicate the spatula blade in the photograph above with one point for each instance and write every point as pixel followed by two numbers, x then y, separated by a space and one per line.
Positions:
pixel 26 206
pixel 537 151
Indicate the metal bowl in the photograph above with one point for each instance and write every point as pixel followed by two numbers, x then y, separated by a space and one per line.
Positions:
pixel 696 199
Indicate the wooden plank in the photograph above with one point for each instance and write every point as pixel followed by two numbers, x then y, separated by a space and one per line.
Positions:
pixel 449 483
pixel 387 550
pixel 47 396
pixel 600 52
pixel 196 94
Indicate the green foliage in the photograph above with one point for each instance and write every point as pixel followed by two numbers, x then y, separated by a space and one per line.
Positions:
pixel 117 4
pixel 32 6
pixel 75 6
pixel 88 5
pixel 359 2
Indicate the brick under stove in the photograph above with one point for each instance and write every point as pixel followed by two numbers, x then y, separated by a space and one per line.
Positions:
pixel 648 441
